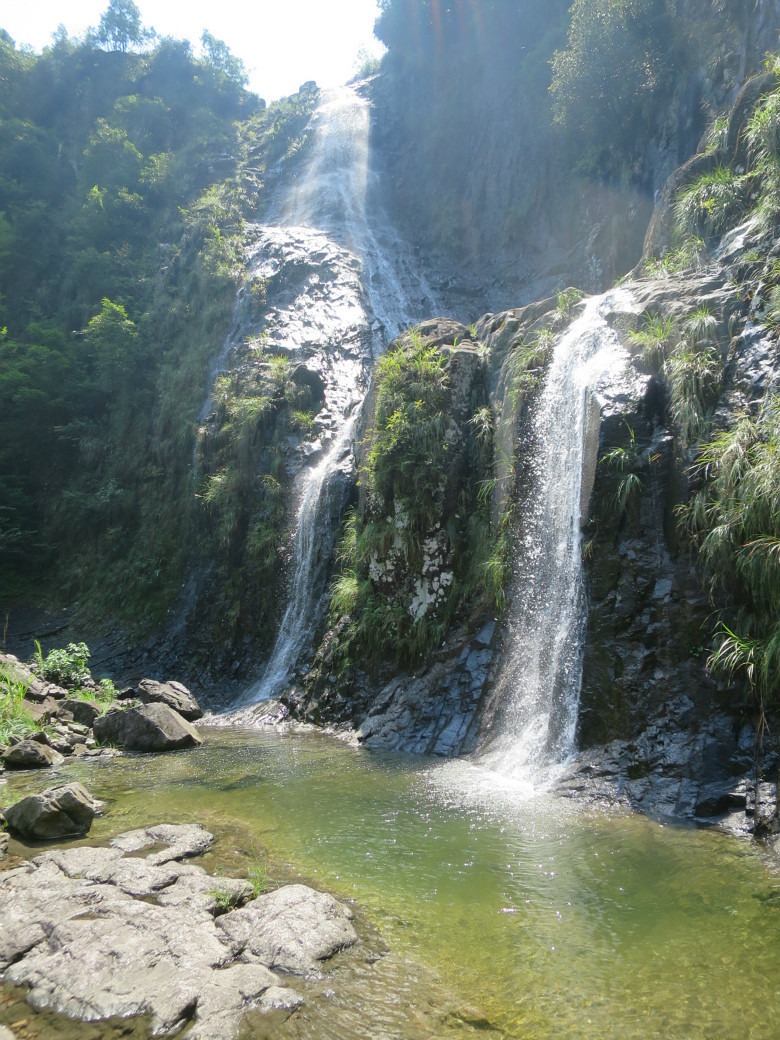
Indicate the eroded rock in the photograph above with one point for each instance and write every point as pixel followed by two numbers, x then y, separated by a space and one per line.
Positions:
pixel 59 812
pixel 293 929
pixel 97 933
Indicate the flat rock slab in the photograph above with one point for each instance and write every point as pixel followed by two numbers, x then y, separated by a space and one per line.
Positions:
pixel 99 933
pixel 292 929
pixel 146 728
pixel 183 840
pixel 29 754
pixel 60 812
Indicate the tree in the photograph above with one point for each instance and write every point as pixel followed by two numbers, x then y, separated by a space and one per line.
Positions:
pixel 607 81
pixel 111 335
pixel 218 56
pixel 120 27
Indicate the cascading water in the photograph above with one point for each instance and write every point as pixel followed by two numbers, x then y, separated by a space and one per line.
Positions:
pixel 357 288
pixel 542 664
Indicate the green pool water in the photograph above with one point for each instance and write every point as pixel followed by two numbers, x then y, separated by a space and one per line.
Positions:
pixel 481 912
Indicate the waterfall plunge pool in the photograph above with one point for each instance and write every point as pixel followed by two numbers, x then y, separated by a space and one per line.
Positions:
pixel 480 913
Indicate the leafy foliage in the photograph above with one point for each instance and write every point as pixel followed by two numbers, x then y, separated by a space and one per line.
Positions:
pixel 416 499
pixel 734 521
pixel 607 81
pixel 124 181
pixel 66 667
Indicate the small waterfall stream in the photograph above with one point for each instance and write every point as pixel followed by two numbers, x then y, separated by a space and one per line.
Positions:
pixel 542 663
pixel 330 216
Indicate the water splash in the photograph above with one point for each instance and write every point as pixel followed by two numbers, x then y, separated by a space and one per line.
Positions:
pixel 541 672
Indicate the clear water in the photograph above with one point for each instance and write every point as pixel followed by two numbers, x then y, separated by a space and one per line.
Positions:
pixel 523 919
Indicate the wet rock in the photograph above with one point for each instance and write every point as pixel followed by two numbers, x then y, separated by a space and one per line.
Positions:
pixel 293 929
pixel 173 694
pixel 83 712
pixel 30 754
pixel 147 728
pixel 57 813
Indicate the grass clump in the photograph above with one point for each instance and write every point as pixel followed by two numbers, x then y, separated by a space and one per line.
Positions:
pixel 653 339
pixel 694 372
pixel 712 203
pixel 16 721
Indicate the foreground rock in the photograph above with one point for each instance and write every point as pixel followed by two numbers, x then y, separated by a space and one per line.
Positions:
pixel 30 754
pixel 149 727
pixel 101 933
pixel 57 813
pixel 293 929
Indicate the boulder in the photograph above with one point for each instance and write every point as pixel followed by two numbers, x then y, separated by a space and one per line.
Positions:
pixel 83 712
pixel 173 694
pixel 57 813
pixel 4 839
pixel 30 754
pixel 292 929
pixel 149 727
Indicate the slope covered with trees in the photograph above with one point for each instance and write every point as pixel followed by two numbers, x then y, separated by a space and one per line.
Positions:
pixel 127 166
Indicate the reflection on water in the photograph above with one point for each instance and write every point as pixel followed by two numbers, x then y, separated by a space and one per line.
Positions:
pixel 535 918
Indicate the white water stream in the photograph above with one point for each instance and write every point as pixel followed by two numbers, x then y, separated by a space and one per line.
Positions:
pixel 541 670
pixel 329 217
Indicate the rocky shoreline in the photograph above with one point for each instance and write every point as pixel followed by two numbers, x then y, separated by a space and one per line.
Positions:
pixel 136 928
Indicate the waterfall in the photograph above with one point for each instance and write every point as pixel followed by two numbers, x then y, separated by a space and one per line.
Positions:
pixel 541 672
pixel 330 215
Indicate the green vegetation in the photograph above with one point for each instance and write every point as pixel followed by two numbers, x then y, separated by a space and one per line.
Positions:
pixel 694 373
pixel 420 507
pixel 127 167
pixel 711 204
pixel 65 667
pixel 244 486
pixel 653 339
pixel 734 522
pixel 16 721
pixel 612 77
pixel 258 874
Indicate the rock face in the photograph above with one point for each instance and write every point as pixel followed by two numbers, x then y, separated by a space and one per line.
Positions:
pixel 150 727
pixel 60 812
pixel 29 754
pixel 98 935
pixel 173 694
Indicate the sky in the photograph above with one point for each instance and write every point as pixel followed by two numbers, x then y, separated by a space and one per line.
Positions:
pixel 282 43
